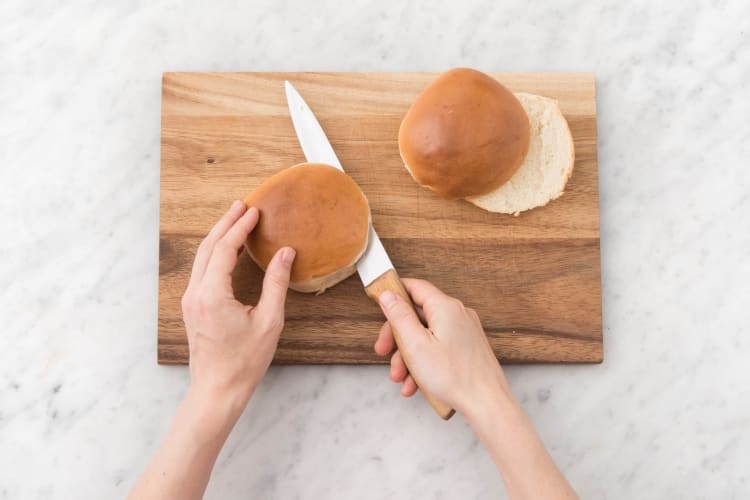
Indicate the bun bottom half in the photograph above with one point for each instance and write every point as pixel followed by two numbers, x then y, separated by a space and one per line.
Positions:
pixel 547 167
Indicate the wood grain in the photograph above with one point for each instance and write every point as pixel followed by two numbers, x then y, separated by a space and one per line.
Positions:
pixel 534 279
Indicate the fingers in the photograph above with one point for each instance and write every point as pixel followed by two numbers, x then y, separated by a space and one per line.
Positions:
pixel 224 255
pixel 384 343
pixel 400 374
pixel 238 233
pixel 426 296
pixel 402 318
pixel 398 368
pixel 203 254
pixel 276 283
pixel 409 387
pixel 422 291
pixel 474 316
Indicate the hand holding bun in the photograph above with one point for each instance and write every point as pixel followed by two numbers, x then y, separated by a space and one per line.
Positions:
pixel 320 212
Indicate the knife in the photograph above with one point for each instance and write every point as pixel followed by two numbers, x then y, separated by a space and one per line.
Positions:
pixel 374 267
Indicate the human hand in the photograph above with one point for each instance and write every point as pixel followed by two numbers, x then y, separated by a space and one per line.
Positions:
pixel 451 358
pixel 232 344
pixel 453 361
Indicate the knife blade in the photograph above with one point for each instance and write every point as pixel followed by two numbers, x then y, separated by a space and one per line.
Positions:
pixel 317 149
pixel 375 268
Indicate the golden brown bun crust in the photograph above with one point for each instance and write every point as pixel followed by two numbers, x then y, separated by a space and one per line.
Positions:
pixel 464 135
pixel 316 209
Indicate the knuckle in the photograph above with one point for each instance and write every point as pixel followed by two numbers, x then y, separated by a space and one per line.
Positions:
pixel 222 247
pixel 454 304
pixel 186 303
pixel 205 245
pixel 205 301
pixel 277 279
pixel 272 322
pixel 401 313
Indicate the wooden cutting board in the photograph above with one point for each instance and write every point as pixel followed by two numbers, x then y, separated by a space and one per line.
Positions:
pixel 534 279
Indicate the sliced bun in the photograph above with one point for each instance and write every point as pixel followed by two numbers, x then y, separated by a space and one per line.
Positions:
pixel 548 164
pixel 320 212
pixel 464 135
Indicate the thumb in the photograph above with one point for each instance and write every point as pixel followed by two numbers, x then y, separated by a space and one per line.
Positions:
pixel 403 319
pixel 276 282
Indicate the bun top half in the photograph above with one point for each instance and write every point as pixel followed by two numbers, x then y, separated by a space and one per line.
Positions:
pixel 320 212
pixel 464 135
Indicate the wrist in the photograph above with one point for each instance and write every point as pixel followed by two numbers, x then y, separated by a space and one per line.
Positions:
pixel 502 415
pixel 215 409
pixel 493 405
pixel 489 392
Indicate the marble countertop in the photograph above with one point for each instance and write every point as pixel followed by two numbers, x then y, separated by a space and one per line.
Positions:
pixel 83 403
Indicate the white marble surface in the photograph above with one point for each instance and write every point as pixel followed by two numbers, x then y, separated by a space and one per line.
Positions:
pixel 83 403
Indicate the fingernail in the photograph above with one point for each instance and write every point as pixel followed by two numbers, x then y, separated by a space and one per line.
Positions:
pixel 236 204
pixel 287 256
pixel 387 299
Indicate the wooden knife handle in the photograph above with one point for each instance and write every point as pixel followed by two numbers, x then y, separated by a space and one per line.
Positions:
pixel 390 281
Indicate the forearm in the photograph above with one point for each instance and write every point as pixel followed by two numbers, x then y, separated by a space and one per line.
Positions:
pixel 519 454
pixel 183 463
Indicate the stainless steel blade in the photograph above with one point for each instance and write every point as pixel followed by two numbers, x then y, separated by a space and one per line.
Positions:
pixel 375 261
pixel 310 134
pixel 317 149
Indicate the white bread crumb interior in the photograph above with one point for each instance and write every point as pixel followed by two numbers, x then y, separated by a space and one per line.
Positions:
pixel 548 164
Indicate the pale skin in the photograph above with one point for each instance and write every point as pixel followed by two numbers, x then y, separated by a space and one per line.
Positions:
pixel 232 344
